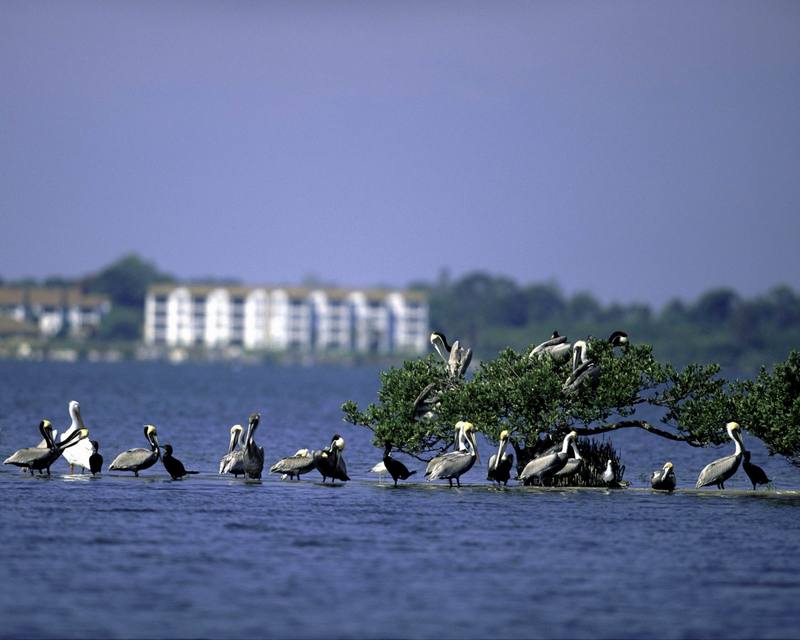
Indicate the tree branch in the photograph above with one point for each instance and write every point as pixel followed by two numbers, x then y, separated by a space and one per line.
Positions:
pixel 640 424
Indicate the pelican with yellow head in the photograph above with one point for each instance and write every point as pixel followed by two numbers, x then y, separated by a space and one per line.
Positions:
pixel 137 460
pixel 41 458
pixel 501 462
pixel 451 466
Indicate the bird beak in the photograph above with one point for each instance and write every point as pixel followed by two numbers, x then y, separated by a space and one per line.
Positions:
pixel 475 446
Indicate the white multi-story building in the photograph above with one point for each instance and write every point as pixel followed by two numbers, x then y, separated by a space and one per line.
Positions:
pixel 286 318
pixel 54 310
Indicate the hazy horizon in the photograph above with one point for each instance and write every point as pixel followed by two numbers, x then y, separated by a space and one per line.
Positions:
pixel 639 151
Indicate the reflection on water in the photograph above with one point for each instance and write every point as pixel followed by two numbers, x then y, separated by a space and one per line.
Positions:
pixel 119 556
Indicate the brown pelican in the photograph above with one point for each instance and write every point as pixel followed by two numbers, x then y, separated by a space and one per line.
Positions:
pixel 426 403
pixel 139 459
pixel 719 471
pixel 79 454
pixel 396 469
pixel 461 445
pixel 664 479
pixel 544 467
pixel 557 347
pixel 231 462
pixel 439 342
pixel 755 473
pixel 95 460
pixel 501 462
pixel 40 458
pixel 330 462
pixel 584 369
pixel 296 465
pixel 454 465
pixel 572 466
pixel 173 466
pixel 456 357
pixel 252 454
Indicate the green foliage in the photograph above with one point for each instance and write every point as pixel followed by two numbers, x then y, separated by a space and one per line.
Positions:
pixel 126 281
pixel 526 395
pixel 121 323
pixel 769 407
pixel 392 419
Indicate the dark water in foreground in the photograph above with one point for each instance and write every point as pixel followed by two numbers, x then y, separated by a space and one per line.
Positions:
pixel 212 557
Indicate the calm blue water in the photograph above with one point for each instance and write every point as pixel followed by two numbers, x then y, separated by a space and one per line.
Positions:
pixel 117 556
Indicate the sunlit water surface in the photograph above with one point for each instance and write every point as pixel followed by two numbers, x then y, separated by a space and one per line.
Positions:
pixel 117 556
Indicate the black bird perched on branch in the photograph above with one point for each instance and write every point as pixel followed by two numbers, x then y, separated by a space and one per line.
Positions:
pixel 396 469
pixel 756 474
pixel 173 466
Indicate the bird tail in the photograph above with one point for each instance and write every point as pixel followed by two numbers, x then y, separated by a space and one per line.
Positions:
pixel 411 473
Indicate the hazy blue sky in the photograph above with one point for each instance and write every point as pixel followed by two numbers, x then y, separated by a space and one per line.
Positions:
pixel 638 150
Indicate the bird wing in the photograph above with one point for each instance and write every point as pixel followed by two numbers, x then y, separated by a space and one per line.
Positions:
pixel 130 458
pixel 379 468
pixel 293 464
pixel 27 455
pixel 449 465
pixel 718 471
pixel 570 468
pixel 232 462
pixel 465 360
pixel 538 465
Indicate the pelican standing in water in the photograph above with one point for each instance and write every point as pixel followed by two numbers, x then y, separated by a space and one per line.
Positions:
pixel 330 462
pixel 173 466
pixel 231 462
pixel 719 471
pixel 664 478
pixel 754 472
pixel 137 460
pixel 396 469
pixel 79 454
pixel 573 464
pixel 546 466
pixel 252 455
pixel 452 466
pixel 40 458
pixel 461 444
pixel 294 466
pixel 501 462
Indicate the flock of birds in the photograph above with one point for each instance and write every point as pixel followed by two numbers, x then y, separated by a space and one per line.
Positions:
pixel 245 458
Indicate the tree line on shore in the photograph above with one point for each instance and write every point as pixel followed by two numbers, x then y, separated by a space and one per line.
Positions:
pixel 493 312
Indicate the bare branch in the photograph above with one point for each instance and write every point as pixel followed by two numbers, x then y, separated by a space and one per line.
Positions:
pixel 640 424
